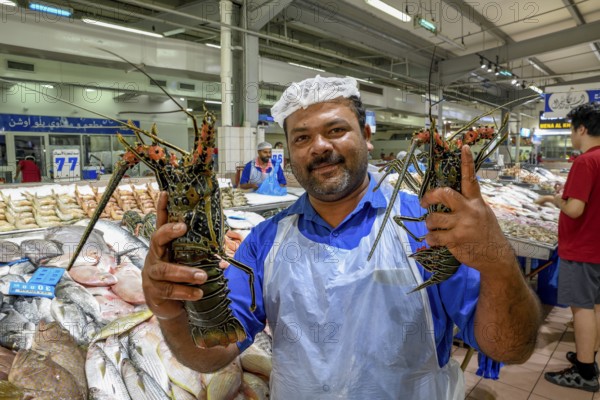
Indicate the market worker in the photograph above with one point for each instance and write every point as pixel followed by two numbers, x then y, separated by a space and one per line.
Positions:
pixel 344 327
pixel 579 267
pixel 29 169
pixel 257 170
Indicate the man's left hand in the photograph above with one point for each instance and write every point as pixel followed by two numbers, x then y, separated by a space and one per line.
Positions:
pixel 470 231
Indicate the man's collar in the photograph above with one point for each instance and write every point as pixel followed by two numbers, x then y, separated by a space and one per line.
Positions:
pixel 257 164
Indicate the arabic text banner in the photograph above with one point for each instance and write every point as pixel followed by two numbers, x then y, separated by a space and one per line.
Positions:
pixel 559 104
pixel 43 123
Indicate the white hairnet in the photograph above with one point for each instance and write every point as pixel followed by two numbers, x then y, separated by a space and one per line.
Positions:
pixel 264 145
pixel 401 154
pixel 311 91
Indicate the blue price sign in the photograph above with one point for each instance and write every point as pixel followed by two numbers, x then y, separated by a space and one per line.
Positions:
pixel 277 157
pixel 66 164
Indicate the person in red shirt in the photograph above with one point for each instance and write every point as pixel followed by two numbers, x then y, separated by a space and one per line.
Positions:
pixel 579 268
pixel 29 169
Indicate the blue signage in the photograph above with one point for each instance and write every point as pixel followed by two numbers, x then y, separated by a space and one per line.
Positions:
pixel 561 103
pixel 42 123
pixel 370 120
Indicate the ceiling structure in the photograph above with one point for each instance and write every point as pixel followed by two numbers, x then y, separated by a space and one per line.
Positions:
pixel 540 43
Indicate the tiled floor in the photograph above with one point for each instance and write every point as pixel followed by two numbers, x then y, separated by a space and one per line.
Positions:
pixel 526 381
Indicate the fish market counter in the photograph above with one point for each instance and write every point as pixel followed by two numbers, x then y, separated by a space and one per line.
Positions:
pixel 532 250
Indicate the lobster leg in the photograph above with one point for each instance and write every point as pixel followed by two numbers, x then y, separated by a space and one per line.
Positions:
pixel 250 273
pixel 400 221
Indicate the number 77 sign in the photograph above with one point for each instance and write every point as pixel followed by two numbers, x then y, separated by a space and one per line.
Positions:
pixel 65 164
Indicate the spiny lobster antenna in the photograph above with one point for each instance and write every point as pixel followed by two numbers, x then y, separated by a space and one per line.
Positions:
pixel 471 122
pixel 429 84
pixel 149 77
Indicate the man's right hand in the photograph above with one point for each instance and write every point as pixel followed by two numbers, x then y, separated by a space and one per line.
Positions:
pixel 166 285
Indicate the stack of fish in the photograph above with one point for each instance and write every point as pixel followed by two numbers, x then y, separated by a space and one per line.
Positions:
pixel 5 226
pixel 91 341
pixel 519 216
pixel 146 198
pixel 67 208
pixel 19 212
pixel 231 197
pixel 138 364
pixel 87 198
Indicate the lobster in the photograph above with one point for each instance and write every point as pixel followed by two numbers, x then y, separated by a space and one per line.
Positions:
pixel 193 198
pixel 443 169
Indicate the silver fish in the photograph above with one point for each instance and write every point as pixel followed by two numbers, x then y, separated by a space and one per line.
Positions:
pixel 119 239
pixel 143 353
pixel 73 318
pixel 9 251
pixel 103 375
pixel 182 376
pixel 140 385
pixel 38 250
pixel 16 332
pixel 22 268
pixel 35 309
pixel 69 290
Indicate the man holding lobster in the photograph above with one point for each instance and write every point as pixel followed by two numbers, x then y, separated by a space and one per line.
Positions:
pixel 345 326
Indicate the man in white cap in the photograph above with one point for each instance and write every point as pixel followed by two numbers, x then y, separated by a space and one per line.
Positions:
pixel 345 326
pixel 257 170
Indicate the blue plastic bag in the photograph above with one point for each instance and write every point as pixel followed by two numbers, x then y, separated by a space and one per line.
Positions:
pixel 270 186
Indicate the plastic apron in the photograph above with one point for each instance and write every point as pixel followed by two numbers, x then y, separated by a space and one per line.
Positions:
pixel 256 176
pixel 345 328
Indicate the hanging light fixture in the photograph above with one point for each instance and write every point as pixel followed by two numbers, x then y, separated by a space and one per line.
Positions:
pixel 48 8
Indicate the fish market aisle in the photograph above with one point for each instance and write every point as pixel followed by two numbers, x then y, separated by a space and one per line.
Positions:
pixel 526 381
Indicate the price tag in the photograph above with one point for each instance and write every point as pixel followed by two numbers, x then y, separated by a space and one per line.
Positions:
pixel 277 157
pixel 41 284
pixel 66 164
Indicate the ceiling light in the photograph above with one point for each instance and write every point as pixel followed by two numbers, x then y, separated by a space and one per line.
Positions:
pixel 120 27
pixel 423 23
pixel 174 32
pixel 213 102
pixel 536 89
pixel 496 71
pixel 189 109
pixel 216 46
pixel 8 3
pixel 386 8
pixel 46 86
pixel 306 66
pixel 505 72
pixel 482 62
pixel 489 67
pixel 90 90
pixel 514 81
pixel 51 9
pixel 182 98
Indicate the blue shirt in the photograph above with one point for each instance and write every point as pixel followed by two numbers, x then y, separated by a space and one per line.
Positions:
pixel 252 164
pixel 453 302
